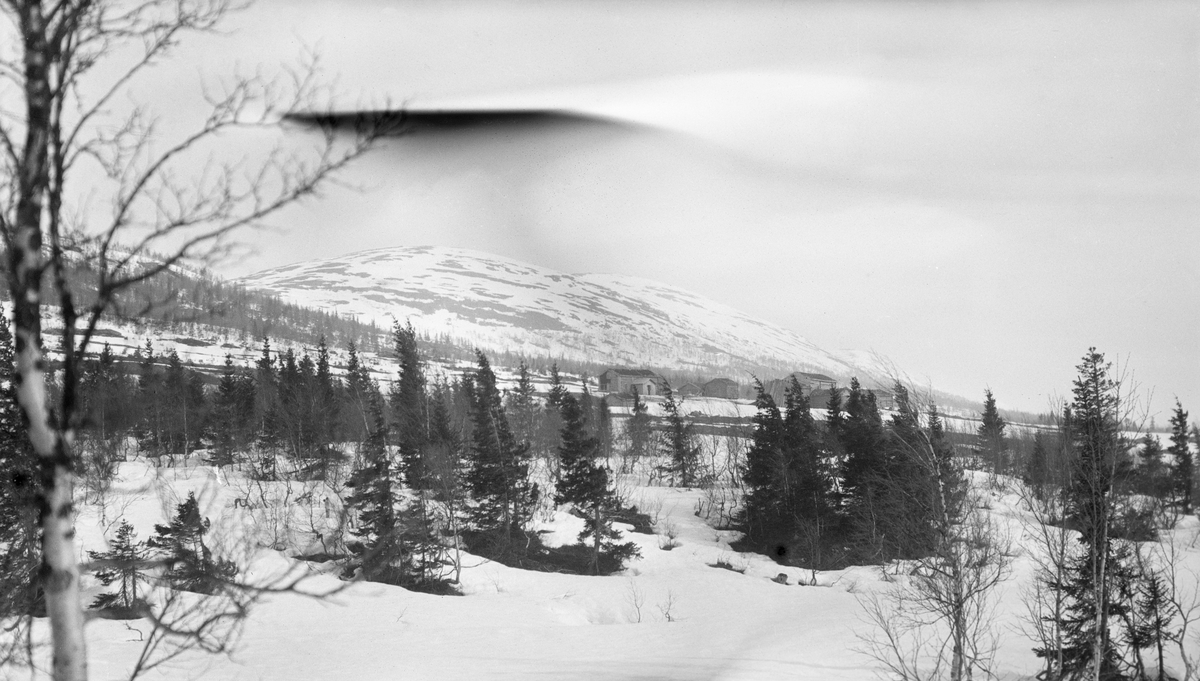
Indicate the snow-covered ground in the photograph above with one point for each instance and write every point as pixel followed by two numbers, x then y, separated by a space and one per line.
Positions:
pixel 669 615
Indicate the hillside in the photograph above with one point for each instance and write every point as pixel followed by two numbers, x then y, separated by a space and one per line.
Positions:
pixel 499 304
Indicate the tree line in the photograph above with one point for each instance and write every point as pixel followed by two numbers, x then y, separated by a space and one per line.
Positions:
pixel 1105 603
pixel 426 468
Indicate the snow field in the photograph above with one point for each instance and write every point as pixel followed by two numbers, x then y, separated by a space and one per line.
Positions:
pixel 669 615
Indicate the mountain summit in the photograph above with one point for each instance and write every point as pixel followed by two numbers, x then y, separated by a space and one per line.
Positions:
pixel 495 303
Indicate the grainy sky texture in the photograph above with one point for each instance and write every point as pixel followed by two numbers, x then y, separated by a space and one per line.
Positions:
pixel 978 190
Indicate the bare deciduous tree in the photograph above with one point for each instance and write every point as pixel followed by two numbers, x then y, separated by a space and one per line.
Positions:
pixel 937 621
pixel 59 123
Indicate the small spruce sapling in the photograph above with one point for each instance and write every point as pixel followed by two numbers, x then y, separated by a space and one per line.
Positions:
pixel 121 565
pixel 191 566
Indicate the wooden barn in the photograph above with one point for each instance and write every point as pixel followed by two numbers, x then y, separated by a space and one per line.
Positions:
pixel 689 390
pixel 816 386
pixel 631 381
pixel 725 388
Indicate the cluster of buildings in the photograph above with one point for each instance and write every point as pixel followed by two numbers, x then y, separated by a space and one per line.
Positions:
pixel 646 382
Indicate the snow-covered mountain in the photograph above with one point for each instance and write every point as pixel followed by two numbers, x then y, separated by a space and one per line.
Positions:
pixel 496 303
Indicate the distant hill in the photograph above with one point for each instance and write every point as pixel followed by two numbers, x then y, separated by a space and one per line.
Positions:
pixel 498 304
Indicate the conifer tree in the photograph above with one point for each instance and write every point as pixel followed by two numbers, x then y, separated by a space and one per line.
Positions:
pixel 19 481
pixel 1088 646
pixel 810 484
pixel 679 445
pixel 412 437
pixel 106 394
pixel 326 408
pixel 905 491
pixel 991 433
pixel 861 438
pixel 121 565
pixel 233 414
pixel 835 422
pixel 375 481
pixel 586 485
pixel 446 467
pixel 952 485
pixel 1182 473
pixel 151 433
pixel 604 430
pixel 184 411
pixel 522 406
pixel 408 406
pixel 637 431
pixel 266 402
pixel 190 563
pixel 499 467
pixel 557 390
pixel 359 388
pixel 225 416
pixel 1037 466
pixel 762 515
pixel 1152 478
pixel 550 425
pixel 1145 612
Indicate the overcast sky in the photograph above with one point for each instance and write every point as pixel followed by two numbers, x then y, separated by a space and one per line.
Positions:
pixel 979 191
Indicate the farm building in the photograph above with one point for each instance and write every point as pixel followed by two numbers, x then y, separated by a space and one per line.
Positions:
pixel 688 390
pixel 815 381
pixel 885 400
pixel 639 381
pixel 816 386
pixel 726 388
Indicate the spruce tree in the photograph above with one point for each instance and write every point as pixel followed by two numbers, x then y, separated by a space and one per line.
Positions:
pixel 604 428
pixel 185 404
pixel 408 406
pixel 121 564
pixel 1155 619
pixel 357 397
pixel 991 433
pixel 557 390
pixel 1037 466
pixel 1094 431
pixel 267 409
pixel 809 485
pixel 905 490
pixel 861 438
pixel 498 475
pixel 411 434
pixel 545 445
pixel 326 409
pixel 637 433
pixel 586 485
pixel 151 432
pixel 20 549
pixel 375 483
pixel 1152 478
pixel 444 467
pixel 233 420
pixel 679 445
pixel 1182 473
pixel 951 492
pixel 762 515
pixel 106 395
pixel 835 422
pixel 190 563
pixel 522 406
pixel 225 415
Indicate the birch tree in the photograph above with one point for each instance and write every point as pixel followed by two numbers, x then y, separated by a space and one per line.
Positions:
pixel 59 121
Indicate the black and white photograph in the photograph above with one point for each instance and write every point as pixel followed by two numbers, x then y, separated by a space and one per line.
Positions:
pixel 681 340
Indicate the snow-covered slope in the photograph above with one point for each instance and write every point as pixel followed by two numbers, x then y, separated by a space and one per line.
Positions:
pixel 499 304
